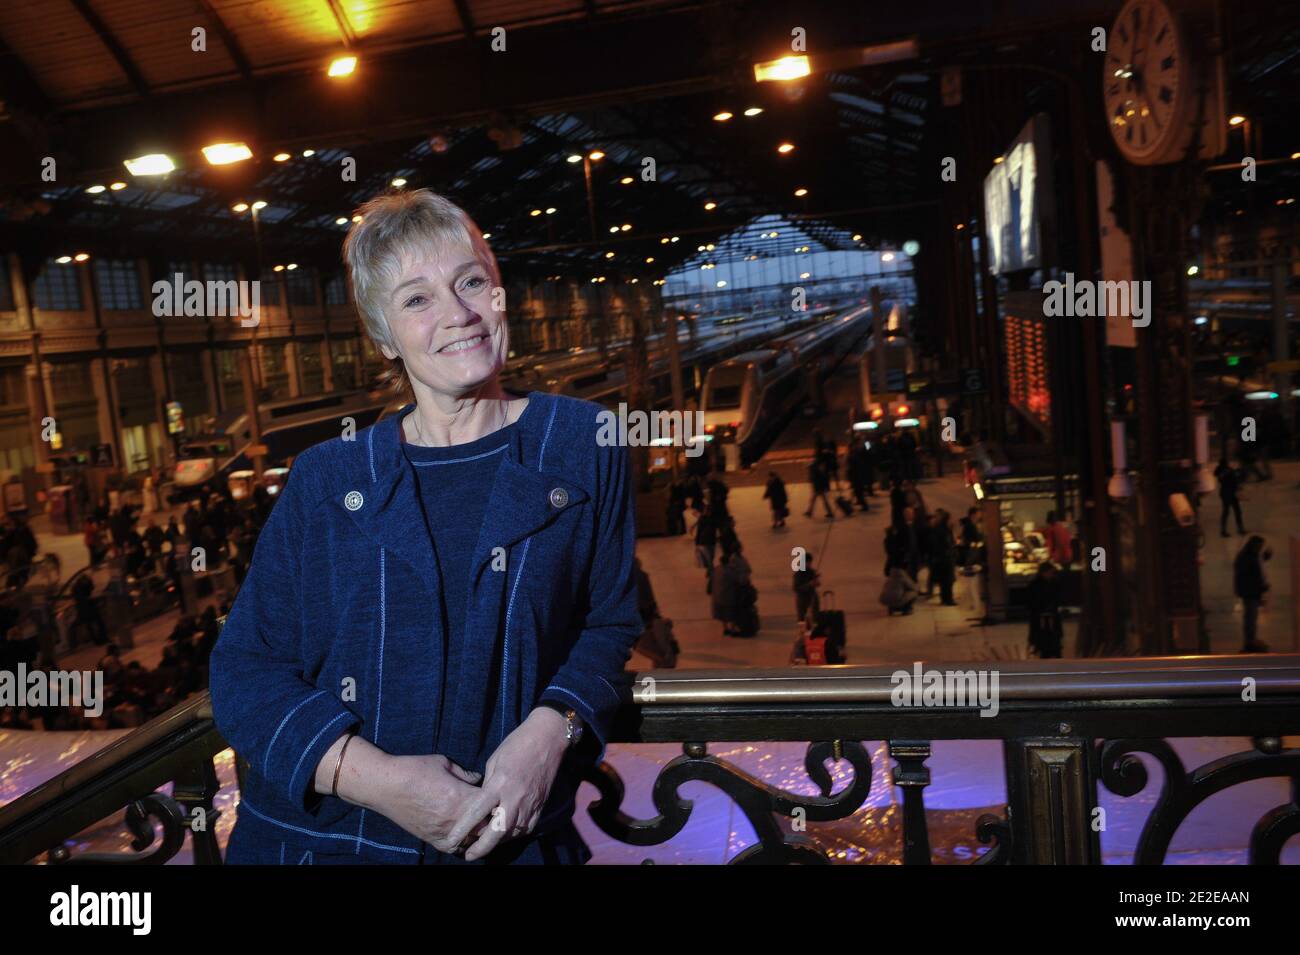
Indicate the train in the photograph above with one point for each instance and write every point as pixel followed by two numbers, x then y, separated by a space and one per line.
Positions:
pixel 885 405
pixel 748 398
pixel 288 428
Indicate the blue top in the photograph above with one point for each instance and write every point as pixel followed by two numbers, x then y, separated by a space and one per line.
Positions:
pixel 332 629
pixel 453 485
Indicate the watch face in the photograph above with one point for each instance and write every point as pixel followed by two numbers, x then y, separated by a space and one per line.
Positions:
pixel 1144 81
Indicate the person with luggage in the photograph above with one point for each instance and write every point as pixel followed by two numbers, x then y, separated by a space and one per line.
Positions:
pixel 777 498
pixel 805 589
pixel 656 641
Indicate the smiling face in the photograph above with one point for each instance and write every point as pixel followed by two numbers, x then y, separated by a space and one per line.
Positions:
pixel 441 322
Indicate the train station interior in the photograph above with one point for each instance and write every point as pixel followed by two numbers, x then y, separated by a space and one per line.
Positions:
pixel 976 323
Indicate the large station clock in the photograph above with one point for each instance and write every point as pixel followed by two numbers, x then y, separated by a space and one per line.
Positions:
pixel 1151 84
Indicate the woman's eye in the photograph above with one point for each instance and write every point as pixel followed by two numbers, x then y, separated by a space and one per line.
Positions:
pixel 477 282
pixel 414 300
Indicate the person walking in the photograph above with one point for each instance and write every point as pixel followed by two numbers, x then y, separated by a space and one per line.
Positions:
pixel 859 464
pixel 820 480
pixel 731 592
pixel 943 567
pixel 970 541
pixel 777 499
pixel 1250 584
pixel 1044 596
pixel 706 543
pixel 1229 486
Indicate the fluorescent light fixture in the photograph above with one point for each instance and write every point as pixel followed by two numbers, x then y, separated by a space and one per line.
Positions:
pixel 1261 395
pixel 782 70
pixel 907 422
pixel 865 425
pixel 152 164
pixel 223 154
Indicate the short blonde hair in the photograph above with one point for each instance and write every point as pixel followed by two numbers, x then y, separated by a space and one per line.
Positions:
pixel 393 225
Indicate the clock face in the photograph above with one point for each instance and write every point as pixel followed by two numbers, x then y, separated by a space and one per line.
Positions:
pixel 1145 82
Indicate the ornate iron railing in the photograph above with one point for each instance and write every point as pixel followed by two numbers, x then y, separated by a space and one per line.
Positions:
pixel 1066 726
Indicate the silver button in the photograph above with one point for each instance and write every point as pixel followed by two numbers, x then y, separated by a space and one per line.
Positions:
pixel 353 501
pixel 559 497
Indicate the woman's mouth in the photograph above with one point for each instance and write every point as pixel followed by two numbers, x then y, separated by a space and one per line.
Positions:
pixel 464 345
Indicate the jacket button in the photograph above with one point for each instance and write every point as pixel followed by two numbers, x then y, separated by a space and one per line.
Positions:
pixel 559 497
pixel 353 501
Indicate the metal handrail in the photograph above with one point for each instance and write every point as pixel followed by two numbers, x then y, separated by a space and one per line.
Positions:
pixel 779 703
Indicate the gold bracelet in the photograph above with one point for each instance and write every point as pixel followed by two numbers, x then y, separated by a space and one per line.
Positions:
pixel 334 790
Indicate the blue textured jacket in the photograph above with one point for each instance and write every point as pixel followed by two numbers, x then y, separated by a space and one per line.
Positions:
pixel 335 627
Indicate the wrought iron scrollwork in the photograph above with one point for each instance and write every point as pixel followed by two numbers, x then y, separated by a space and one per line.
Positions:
pixel 139 816
pixel 989 827
pixel 759 802
pixel 1123 774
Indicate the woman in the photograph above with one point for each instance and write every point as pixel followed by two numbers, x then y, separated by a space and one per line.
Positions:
pixel 731 592
pixel 440 606
pixel 1250 584
pixel 899 592
pixel 777 498
pixel 943 569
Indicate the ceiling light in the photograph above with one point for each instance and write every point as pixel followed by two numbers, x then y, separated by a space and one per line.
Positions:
pixel 63 259
pixel 613 228
pixel 786 68
pixel 710 206
pixel 281 157
pixel 341 220
pixel 625 181
pixel 259 205
pixel 649 259
pixel 115 186
pixel 674 238
pixel 487 235
pixel 785 148
pixel 95 190
pixel 801 192
pixel 1236 120
pixel 626 226
pixel 887 257
pixel 308 153
pixel 574 158
pixel 356 218
pixel 595 155
pixel 342 66
pixel 753 111
pixel 399 182
pixel 721 117
pixel 997 160
pixel 223 154
pixel 82 256
pixel 550 210
pixel 804 275
pixel 291 266
pixel 857 237
pixel 535 212
pixel 153 164
pixel 239 207
pixel 278 268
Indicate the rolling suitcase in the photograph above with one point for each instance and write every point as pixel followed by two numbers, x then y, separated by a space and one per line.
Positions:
pixel 845 505
pixel 831 621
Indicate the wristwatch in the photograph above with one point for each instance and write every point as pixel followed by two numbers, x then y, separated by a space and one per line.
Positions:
pixel 574 727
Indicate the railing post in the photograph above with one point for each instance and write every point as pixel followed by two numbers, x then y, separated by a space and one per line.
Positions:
pixel 194 790
pixel 1051 794
pixel 912 776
